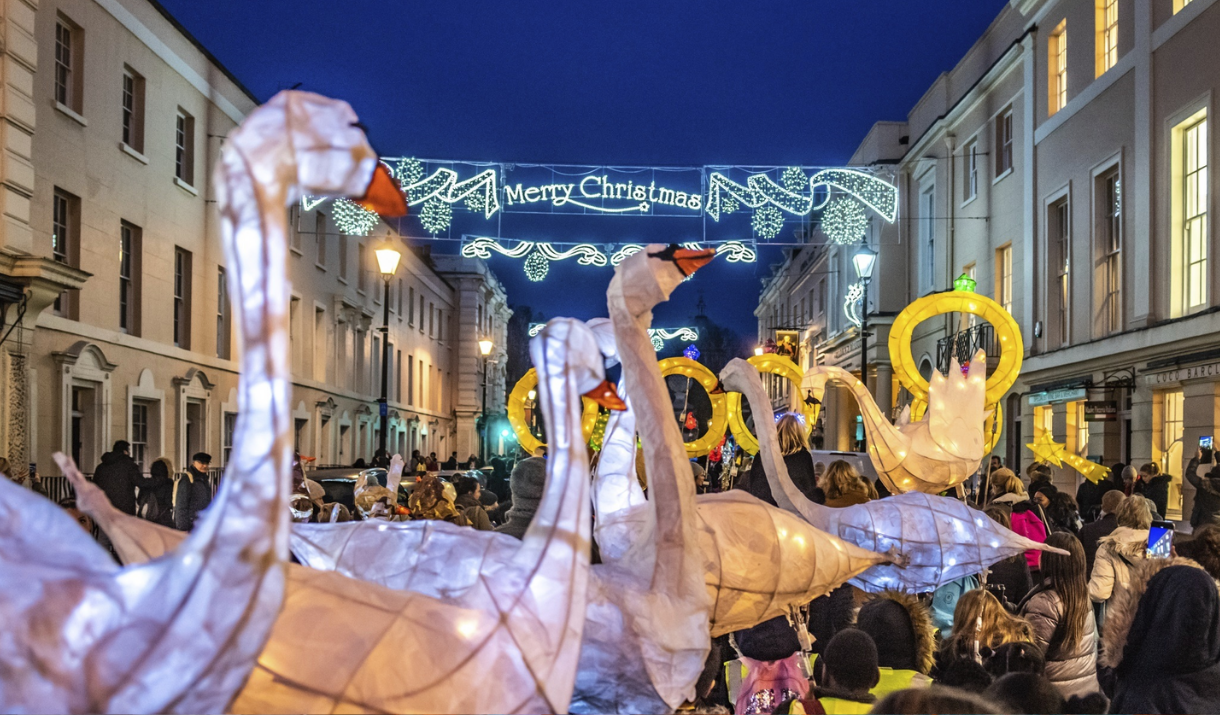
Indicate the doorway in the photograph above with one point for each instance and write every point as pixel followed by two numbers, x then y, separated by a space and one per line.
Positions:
pixel 194 428
pixel 84 437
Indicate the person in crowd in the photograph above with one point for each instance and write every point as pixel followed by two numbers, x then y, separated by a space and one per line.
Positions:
pixel 1062 617
pixel 851 672
pixel 996 463
pixel 1009 579
pixel 1116 476
pixel 901 627
pixel 451 463
pixel 935 700
pixel 540 451
pixel 431 463
pixel 415 461
pixel 831 613
pixel 795 449
pixel 32 480
pixel 526 483
pixel 381 459
pixel 981 622
pixel 769 670
pixel 1063 514
pixel 472 463
pixel 491 505
pixel 1154 485
pixel 1038 473
pixel 1156 515
pixel 1106 523
pixel 193 492
pixel 1040 492
pixel 1205 478
pixel 468 501
pixel 1016 657
pixel 1129 475
pixel 1121 550
pixel 68 504
pixel 1006 488
pixel 944 602
pixel 699 474
pixel 360 463
pixel 118 476
pixel 1203 547
pixel 1026 693
pixel 156 500
pixel 1162 640
pixel 966 674
pixel 334 513
pixel 843 485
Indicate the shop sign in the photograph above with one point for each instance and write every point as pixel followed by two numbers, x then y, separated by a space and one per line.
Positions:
pixel 1054 397
pixel 1193 372
pixel 1101 411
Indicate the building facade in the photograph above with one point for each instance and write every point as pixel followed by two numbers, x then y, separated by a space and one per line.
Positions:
pixel 117 323
pixel 1071 180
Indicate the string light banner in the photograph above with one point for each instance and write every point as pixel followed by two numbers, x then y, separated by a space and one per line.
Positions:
pixel 729 202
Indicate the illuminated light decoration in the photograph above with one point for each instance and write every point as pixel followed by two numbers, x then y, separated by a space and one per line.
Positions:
pixel 444 187
pixel 657 343
pixel 799 417
pixel 760 190
pixel 585 254
pixel 482 247
pixel 852 303
pixel 658 336
pixel 516 413
pixel 767 222
pixel 775 365
pixel 627 250
pixel 794 179
pixel 844 221
pixel 436 216
pixel 600 188
pixel 599 430
pixel 729 204
pixel 737 252
pixel 691 352
pixel 536 267
pixel 409 172
pixel 685 367
pixel 965 283
pixel 1047 450
pixel 353 219
pixel 309 203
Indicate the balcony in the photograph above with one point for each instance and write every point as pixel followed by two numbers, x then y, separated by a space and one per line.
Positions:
pixel 963 344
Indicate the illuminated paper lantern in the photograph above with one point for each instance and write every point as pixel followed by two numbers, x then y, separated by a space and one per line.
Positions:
pixel 938 539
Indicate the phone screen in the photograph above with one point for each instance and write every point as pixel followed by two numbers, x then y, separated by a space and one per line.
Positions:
pixel 1205 446
pixel 1160 539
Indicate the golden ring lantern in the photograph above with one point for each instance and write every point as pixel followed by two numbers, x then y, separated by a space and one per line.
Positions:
pixel 516 413
pixel 1012 349
pixel 775 365
pixel 686 367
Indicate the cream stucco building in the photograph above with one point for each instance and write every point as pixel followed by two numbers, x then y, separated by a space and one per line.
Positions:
pixel 112 278
pixel 1065 164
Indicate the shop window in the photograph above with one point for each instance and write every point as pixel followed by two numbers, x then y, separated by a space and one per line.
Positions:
pixel 1043 421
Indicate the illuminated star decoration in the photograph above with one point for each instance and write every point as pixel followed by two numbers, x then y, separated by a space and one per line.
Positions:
pixel 691 352
pixel 1046 449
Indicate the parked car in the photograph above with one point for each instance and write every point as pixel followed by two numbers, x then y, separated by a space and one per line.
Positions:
pixel 859 460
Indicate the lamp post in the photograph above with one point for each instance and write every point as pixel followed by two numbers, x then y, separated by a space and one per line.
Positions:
pixel 485 346
pixel 864 261
pixel 387 263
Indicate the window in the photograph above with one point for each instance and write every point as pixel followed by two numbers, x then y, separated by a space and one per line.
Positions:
pixel 1194 213
pixel 319 344
pixel 182 298
pixel 399 311
pixel 1059 248
pixel 184 148
pixel 133 109
pixel 410 306
pixel 223 315
pixel 1057 62
pixel 1109 245
pixel 1107 35
pixel 1179 4
pixel 362 279
pixel 342 257
pixel 1003 143
pixel 1172 406
pixel 65 227
pixel 1044 417
pixel 927 239
pixel 410 379
pixel 139 432
pixel 422 327
pixel 294 228
pixel 398 379
pixel 69 48
pixel 320 233
pixel 821 296
pixel 129 278
pixel 226 447
pixel 972 170
pixel 1003 279
pixel 294 333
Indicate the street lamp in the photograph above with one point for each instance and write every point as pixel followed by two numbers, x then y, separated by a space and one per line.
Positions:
pixel 758 351
pixel 387 263
pixel 864 260
pixel 485 347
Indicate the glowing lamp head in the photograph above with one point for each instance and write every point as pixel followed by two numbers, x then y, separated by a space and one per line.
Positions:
pixel 503 433
pixel 864 260
pixel 758 350
pixel 387 260
pixel 966 283
pixel 485 346
pixel 533 394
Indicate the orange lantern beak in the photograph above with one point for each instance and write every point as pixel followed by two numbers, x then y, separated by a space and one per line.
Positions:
pixel 718 389
pixel 690 261
pixel 384 196
pixel 606 396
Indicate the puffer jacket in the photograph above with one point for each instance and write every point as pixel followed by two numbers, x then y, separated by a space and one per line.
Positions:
pixel 1116 554
pixel 1071 667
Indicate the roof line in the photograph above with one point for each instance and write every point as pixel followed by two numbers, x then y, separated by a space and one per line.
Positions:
pixel 206 52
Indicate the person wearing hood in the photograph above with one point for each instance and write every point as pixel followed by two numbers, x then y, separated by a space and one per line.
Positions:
pixel 118 476
pixel 1121 550
pixel 1154 485
pixel 1093 532
pixel 1062 617
pixel 193 492
pixel 526 484
pixel 1162 640
pixel 901 628
pixel 1006 488
pixel 156 502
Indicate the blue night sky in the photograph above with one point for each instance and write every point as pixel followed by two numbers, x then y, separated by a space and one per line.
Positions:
pixel 652 83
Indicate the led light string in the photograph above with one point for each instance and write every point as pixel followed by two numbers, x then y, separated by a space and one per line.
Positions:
pixel 658 336
pixel 539 255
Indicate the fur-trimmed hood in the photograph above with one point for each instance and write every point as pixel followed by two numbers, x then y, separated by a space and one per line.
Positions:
pixel 879 622
pixel 1122 609
pixel 1128 542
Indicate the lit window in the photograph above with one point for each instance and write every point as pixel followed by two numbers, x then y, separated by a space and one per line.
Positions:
pixel 1059 240
pixel 1168 449
pixel 139 433
pixel 129 278
pixel 1179 4
pixel 1004 277
pixel 1082 430
pixel 1107 35
pixel 1194 213
pixel 1057 61
pixel 184 148
pixel 182 298
pixel 1109 246
pixel 972 170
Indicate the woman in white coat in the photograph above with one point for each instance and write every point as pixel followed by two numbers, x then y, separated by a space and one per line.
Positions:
pixel 1119 551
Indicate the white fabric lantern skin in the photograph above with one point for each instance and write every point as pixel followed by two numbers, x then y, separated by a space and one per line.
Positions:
pixel 938 539
pixel 936 453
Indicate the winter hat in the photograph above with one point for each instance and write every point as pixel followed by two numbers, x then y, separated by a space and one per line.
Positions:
pixel 770 640
pixel 901 627
pixel 1042 487
pixel 526 484
pixel 851 660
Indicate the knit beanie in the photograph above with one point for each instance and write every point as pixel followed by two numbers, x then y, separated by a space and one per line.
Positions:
pixel 851 659
pixel 526 483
